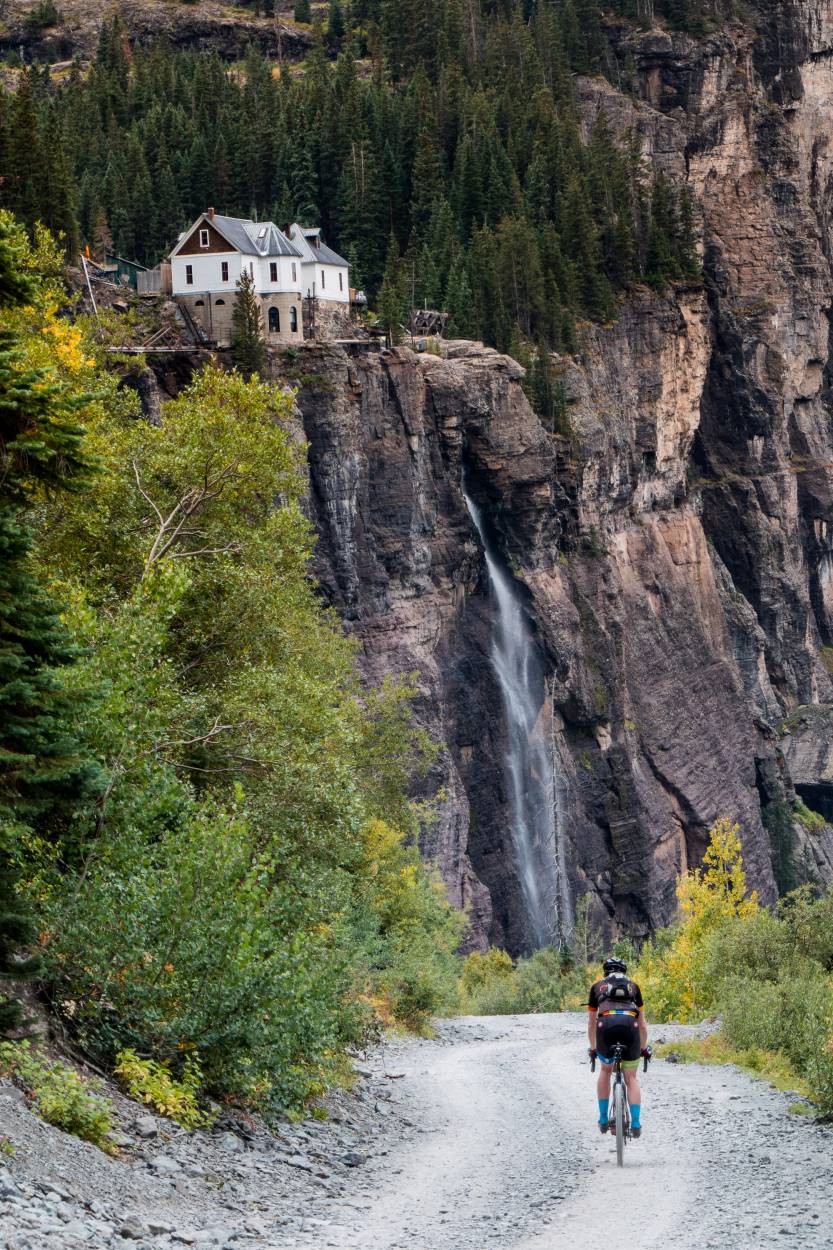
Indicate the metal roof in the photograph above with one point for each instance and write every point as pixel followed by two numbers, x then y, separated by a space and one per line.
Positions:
pixel 254 238
pixel 322 254
pixel 326 256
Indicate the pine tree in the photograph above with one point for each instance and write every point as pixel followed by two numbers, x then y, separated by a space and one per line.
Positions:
pixel 247 346
pixel 393 297
pixel 303 11
pixel 43 770
pixel 335 24
pixel 687 257
pixel 458 301
pixel 427 182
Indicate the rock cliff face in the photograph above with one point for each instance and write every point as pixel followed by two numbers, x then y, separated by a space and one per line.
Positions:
pixel 210 26
pixel 675 552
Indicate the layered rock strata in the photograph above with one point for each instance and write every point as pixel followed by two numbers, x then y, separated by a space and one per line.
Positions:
pixel 675 549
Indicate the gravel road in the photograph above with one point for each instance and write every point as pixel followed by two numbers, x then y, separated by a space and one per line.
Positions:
pixel 482 1138
pixel 510 1158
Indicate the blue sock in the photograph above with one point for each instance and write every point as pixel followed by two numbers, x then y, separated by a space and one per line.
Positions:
pixel 636 1111
pixel 603 1105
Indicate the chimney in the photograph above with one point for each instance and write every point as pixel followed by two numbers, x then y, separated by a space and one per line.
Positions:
pixel 210 214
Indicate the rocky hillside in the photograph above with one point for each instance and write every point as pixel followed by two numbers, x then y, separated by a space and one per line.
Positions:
pixel 675 547
pixel 34 33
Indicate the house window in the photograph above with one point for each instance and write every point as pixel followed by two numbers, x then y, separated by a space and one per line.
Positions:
pixel 219 302
pixel 199 303
pixel 224 270
pixel 204 239
pixel 323 283
pixel 273 271
pixel 293 319
pixel 274 321
pixel 294 272
pixel 340 280
pixel 189 275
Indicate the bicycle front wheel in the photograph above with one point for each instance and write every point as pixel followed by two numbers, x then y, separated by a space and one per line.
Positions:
pixel 619 1111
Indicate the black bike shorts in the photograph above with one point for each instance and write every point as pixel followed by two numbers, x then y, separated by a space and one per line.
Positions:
pixel 623 1030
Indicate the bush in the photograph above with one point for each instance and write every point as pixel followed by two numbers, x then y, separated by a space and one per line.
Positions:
pixel 59 1094
pixel 793 1016
pixel 543 982
pixel 152 1083
pixel 768 976
pixel 479 970
pixel 674 973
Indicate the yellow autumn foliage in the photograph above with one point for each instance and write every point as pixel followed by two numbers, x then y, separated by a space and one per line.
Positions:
pixel 677 981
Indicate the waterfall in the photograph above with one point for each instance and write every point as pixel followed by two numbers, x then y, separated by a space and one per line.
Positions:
pixel 537 787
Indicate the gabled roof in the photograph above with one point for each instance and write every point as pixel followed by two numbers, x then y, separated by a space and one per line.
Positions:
pixel 326 256
pixel 302 236
pixel 252 238
pixel 267 239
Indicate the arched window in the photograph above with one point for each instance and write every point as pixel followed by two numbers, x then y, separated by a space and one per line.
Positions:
pixel 199 303
pixel 217 302
pixel 274 321
pixel 293 319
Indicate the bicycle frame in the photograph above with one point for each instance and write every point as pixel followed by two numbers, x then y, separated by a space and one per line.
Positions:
pixel 620 1109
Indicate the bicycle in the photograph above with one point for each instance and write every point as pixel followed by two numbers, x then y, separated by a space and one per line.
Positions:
pixel 620 1112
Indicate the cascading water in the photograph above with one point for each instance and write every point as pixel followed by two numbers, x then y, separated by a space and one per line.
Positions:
pixel 536 784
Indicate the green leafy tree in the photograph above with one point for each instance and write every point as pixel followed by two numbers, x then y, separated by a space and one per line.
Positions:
pixel 303 11
pixel 247 893
pixel 248 348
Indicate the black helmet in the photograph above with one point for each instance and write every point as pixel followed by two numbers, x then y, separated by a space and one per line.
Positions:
pixel 614 965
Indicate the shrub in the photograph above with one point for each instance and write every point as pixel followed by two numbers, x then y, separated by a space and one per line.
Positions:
pixel 152 1083
pixel 479 970
pixel 59 1094
pixel 793 1016
pixel 540 983
pixel 674 974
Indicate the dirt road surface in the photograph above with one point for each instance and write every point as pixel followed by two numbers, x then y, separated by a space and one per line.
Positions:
pixel 505 1155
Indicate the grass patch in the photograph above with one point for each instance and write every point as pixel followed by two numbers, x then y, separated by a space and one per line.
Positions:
pixel 715 1049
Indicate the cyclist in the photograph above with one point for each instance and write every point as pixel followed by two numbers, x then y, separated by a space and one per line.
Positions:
pixel 616 1015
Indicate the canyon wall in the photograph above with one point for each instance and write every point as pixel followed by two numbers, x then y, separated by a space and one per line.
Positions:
pixel 674 550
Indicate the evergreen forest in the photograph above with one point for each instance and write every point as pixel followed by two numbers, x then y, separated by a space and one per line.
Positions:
pixel 440 147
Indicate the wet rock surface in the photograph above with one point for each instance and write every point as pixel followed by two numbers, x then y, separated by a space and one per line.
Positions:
pixel 480 1139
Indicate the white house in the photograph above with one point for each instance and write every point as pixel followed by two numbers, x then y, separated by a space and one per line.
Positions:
pixel 324 274
pixel 210 256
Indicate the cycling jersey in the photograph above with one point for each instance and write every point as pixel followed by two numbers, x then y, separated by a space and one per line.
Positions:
pixel 616 1002
pixel 616 993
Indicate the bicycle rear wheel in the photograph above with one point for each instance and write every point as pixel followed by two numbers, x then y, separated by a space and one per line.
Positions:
pixel 619 1111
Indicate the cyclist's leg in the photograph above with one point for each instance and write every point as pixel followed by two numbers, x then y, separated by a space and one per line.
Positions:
pixel 603 1089
pixel 634 1092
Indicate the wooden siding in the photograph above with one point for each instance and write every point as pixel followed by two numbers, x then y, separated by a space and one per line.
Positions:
pixel 216 242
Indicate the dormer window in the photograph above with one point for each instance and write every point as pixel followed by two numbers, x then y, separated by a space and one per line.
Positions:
pixel 204 239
